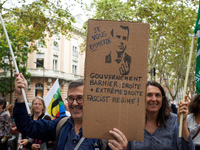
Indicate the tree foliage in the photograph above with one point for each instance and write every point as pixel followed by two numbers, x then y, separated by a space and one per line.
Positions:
pixel 39 17
pixel 171 21
pixel 20 49
pixel 25 23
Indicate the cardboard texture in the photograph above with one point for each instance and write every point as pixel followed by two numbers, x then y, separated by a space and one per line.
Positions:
pixel 115 79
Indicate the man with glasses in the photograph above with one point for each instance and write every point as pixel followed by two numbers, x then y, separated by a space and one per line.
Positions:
pixel 70 134
pixel 66 108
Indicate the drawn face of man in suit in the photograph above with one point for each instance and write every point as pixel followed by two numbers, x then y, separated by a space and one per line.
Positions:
pixel 120 36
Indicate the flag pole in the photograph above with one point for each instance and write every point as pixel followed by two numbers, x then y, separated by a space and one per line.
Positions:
pixel 15 64
pixel 185 85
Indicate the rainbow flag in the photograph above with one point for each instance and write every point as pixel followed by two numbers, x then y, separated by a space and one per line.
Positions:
pixel 54 103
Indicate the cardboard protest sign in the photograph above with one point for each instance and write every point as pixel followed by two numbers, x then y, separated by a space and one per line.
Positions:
pixel 115 79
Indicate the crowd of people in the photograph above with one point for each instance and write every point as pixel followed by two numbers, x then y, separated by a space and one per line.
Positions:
pixel 5 125
pixel 11 139
pixel 38 130
pixel 193 120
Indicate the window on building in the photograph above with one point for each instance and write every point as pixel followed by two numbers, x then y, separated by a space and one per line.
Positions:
pixel 56 41
pixel 74 51
pixel 39 63
pixel 39 60
pixel 39 90
pixel 74 69
pixel 75 47
pixel 55 62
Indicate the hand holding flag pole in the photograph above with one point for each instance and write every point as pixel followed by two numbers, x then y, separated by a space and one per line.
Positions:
pixel 185 84
pixel 15 64
pixel 197 28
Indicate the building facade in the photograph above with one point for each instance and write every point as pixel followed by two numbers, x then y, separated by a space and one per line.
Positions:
pixel 61 58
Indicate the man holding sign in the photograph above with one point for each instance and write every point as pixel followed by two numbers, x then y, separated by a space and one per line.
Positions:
pixel 70 134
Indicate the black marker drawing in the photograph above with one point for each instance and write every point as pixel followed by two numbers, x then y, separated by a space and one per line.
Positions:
pixel 108 58
pixel 121 56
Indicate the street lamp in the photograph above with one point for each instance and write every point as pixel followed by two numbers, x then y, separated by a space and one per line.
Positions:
pixel 43 77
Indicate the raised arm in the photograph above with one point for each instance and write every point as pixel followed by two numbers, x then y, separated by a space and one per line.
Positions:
pixel 40 129
pixel 20 82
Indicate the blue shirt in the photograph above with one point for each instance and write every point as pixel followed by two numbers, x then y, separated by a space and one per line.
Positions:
pixel 164 138
pixel 73 139
pixel 46 130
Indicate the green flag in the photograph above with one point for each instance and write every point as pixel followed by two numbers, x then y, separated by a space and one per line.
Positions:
pixel 197 71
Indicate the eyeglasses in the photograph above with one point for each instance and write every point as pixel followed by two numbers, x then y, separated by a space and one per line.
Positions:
pixel 79 99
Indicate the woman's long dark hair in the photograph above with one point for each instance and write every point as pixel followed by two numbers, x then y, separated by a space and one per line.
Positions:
pixel 194 105
pixel 164 111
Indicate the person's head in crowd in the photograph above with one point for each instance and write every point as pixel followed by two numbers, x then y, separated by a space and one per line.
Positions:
pixel 2 103
pixel 7 106
pixel 157 102
pixel 11 110
pixel 75 99
pixel 194 106
pixel 38 105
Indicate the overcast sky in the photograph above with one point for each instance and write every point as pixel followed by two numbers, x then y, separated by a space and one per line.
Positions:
pixel 74 7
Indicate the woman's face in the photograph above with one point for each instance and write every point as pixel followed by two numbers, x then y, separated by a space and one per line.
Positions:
pixel 37 106
pixel 154 99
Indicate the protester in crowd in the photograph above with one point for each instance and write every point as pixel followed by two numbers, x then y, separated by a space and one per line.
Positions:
pixel 67 108
pixel 173 106
pixel 5 125
pixel 12 142
pixel 193 121
pixel 37 110
pixel 7 108
pixel 161 128
pixel 70 135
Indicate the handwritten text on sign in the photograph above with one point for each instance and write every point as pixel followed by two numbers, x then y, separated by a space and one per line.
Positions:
pixel 112 85
pixel 100 38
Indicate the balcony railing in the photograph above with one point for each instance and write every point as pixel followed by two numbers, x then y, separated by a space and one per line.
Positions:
pixel 48 73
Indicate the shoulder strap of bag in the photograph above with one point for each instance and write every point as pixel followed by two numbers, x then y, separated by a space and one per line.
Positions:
pixel 79 143
pixel 43 116
pixel 60 124
pixel 196 133
pixel 131 145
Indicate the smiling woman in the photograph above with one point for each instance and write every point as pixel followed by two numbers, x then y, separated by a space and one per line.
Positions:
pixel 38 109
pixel 157 103
pixel 161 128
